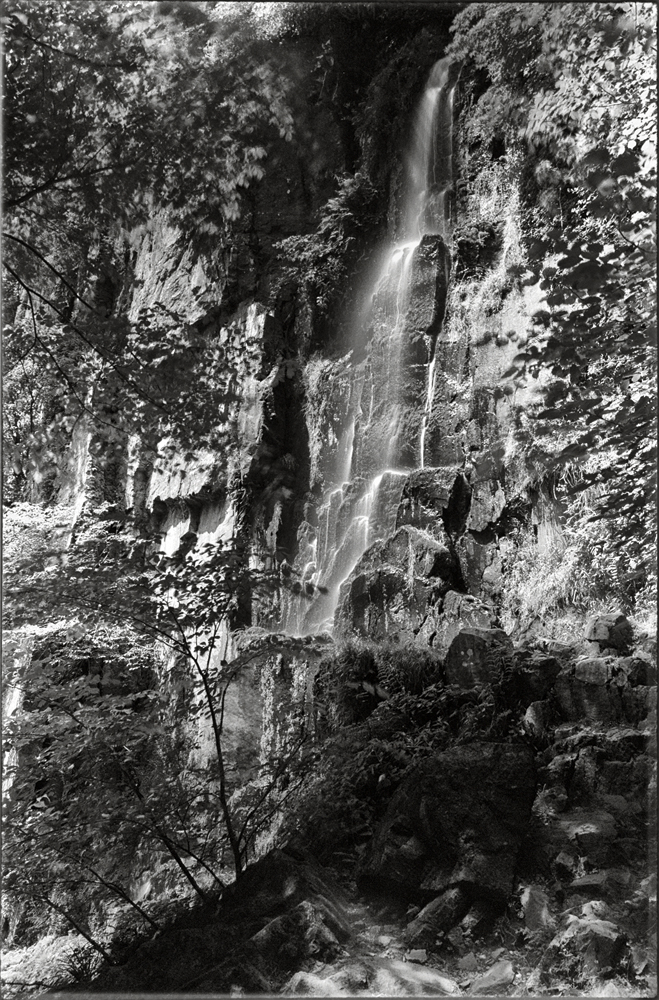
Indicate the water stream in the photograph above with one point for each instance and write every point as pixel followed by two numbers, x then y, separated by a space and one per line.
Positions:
pixel 384 436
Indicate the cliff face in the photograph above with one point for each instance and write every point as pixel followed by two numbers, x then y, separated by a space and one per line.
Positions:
pixel 403 519
pixel 374 448
pixel 375 466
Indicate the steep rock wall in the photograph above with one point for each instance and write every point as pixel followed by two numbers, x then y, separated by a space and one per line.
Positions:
pixel 313 422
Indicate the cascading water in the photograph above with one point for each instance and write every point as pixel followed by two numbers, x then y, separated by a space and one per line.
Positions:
pixel 390 390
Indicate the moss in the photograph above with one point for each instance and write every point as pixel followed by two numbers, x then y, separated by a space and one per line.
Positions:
pixel 478 243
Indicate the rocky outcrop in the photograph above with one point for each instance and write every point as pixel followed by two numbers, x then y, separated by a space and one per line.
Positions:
pixel 283 911
pixel 397 585
pixel 456 823
pixel 476 657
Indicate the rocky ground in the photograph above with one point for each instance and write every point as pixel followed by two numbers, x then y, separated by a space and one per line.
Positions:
pixel 508 868
pixel 592 942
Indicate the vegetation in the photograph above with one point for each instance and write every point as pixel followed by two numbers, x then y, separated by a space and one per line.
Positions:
pixel 325 260
pixel 92 133
pixel 371 736
pixel 127 118
pixel 563 95
pixel 115 663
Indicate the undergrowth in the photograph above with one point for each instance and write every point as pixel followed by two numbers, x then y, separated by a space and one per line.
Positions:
pixel 579 573
pixel 370 745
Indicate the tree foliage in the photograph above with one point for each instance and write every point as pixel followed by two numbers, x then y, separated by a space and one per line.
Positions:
pixel 569 91
pixel 115 665
pixel 112 111
pixel 91 114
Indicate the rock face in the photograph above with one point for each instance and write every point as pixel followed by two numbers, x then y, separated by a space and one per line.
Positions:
pixel 455 822
pixel 476 657
pixel 397 585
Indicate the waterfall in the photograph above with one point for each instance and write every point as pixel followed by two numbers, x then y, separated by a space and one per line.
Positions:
pixel 384 437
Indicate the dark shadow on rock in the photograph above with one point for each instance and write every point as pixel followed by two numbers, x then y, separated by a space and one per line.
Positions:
pixel 453 830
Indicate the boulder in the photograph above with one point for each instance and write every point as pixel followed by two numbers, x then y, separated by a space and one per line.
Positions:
pixel 495 979
pixel 397 584
pixel 477 656
pixel 456 612
pixel 309 929
pixel 594 670
pixel 455 822
pixel 535 905
pixel 583 691
pixel 598 945
pixel 535 674
pixel 612 631
pixel 444 911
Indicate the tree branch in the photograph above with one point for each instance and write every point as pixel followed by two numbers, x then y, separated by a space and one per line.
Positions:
pixel 40 256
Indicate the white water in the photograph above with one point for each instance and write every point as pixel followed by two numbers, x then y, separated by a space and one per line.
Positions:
pixel 426 413
pixel 378 448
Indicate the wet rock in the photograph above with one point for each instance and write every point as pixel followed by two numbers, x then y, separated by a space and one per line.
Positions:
pixel 612 630
pixel 456 821
pixel 425 497
pixel 397 584
pixel 495 979
pixel 476 657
